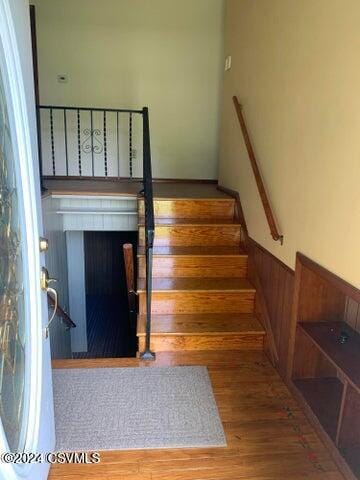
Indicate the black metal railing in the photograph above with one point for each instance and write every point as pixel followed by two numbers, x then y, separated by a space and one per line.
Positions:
pixel 149 229
pixel 90 142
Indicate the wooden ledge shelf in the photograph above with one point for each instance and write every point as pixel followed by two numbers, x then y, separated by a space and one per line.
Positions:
pixel 345 357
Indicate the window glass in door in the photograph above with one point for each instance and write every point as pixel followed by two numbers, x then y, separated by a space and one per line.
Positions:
pixel 12 311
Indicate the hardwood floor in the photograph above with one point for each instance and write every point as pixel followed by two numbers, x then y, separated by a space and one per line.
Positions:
pixel 268 437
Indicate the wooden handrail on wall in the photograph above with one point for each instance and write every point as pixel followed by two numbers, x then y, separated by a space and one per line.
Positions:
pixel 259 182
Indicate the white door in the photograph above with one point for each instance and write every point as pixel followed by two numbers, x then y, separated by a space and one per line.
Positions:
pixel 26 402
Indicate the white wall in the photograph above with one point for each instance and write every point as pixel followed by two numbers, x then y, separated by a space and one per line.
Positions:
pixel 296 69
pixel 56 264
pixel 77 288
pixel 163 54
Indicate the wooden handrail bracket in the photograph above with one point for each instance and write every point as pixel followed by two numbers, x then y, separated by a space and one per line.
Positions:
pixel 259 182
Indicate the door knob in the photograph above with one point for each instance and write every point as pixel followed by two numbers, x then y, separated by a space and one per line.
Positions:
pixel 45 281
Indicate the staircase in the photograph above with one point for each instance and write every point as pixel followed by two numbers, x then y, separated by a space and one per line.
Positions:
pixel 202 299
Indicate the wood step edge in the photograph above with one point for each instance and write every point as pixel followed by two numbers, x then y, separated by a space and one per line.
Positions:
pixel 203 334
pixel 199 290
pixel 200 255
pixel 191 199
pixel 248 289
pixel 186 222
pixel 257 329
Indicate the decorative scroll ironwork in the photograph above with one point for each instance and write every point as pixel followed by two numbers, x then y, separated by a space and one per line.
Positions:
pixel 92 144
pixel 72 145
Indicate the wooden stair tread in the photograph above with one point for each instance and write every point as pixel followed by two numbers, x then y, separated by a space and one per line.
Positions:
pixel 211 198
pixel 191 221
pixel 187 191
pixel 183 251
pixel 198 284
pixel 202 324
pixel 191 208
pixel 201 298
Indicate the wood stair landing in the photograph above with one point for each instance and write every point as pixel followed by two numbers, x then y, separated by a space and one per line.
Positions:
pixel 202 299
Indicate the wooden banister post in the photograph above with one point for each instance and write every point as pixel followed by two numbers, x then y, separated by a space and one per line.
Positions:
pixel 130 275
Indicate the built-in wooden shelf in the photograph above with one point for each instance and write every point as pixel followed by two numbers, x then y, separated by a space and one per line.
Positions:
pixel 345 356
pixel 324 369
pixel 323 395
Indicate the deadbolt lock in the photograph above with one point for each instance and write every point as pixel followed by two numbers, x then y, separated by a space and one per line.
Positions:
pixel 43 244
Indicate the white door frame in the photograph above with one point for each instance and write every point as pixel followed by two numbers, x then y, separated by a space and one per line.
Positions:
pixel 28 194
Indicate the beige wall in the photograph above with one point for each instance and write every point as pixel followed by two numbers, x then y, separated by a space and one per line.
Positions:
pixel 296 69
pixel 129 53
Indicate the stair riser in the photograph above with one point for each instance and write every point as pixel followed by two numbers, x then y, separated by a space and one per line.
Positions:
pixel 203 342
pixel 192 266
pixel 198 302
pixel 191 236
pixel 191 208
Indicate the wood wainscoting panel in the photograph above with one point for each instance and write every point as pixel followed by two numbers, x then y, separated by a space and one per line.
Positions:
pixel 352 314
pixel 277 286
pixel 276 282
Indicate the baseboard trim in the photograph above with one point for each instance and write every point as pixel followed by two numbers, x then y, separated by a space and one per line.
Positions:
pixel 133 180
